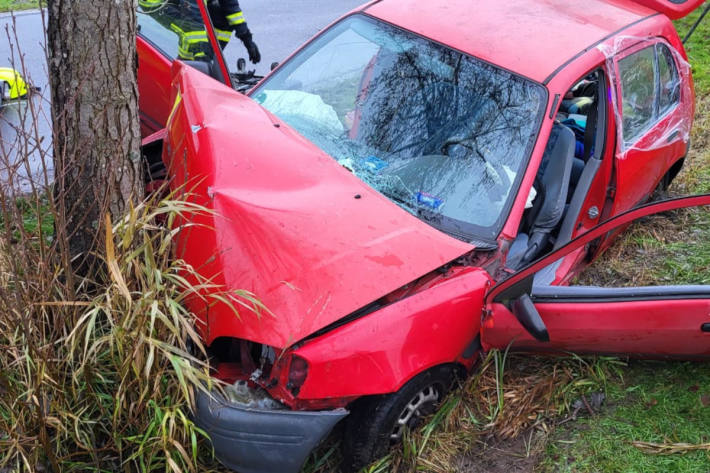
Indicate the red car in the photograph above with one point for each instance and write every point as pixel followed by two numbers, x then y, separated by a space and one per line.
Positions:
pixel 418 183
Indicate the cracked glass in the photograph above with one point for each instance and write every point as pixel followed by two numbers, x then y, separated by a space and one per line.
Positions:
pixel 443 135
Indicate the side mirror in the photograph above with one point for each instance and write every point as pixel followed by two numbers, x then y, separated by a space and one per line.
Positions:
pixel 528 316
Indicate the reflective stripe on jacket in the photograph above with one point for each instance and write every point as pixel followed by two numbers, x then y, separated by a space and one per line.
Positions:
pixel 191 44
pixel 151 5
pixel 227 15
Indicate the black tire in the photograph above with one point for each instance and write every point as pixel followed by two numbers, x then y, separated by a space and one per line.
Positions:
pixel 376 423
pixel 661 190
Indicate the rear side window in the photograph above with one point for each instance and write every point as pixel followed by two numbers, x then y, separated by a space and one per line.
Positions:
pixel 650 87
pixel 638 89
pixel 669 93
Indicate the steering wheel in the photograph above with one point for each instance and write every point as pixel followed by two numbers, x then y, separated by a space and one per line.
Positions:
pixel 494 169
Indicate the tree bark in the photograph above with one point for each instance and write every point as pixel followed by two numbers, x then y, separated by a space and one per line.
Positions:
pixel 92 69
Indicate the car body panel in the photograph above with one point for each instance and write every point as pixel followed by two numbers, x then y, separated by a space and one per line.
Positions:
pixel 508 34
pixel 311 240
pixel 603 192
pixel 219 57
pixel 617 321
pixel 626 177
pixel 644 328
pixel 381 351
pixel 16 85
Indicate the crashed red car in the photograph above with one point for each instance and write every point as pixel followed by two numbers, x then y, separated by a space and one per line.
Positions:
pixel 418 183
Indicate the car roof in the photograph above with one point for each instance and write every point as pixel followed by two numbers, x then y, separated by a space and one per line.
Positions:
pixel 532 38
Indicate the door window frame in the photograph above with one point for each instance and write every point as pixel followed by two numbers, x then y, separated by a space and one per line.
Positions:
pixel 521 282
pixel 658 115
pixel 214 44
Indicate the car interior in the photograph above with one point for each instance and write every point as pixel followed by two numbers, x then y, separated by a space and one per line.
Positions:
pixel 570 162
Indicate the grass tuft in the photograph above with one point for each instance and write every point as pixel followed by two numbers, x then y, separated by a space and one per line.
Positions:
pixel 105 381
pixel 17 5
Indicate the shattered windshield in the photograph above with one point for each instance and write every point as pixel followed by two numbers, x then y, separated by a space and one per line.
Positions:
pixel 443 135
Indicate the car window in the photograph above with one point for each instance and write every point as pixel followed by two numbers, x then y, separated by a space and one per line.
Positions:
pixel 638 85
pixel 669 91
pixel 443 135
pixel 176 29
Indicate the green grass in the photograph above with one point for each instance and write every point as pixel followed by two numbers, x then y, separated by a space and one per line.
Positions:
pixel 660 402
pixel 686 262
pixel 16 5
pixel 698 49
pixel 36 218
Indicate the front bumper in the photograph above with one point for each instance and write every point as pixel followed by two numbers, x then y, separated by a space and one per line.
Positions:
pixel 259 440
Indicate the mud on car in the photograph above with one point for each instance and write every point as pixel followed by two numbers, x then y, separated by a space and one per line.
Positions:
pixel 418 183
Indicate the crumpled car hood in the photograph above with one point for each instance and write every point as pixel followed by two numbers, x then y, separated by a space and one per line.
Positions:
pixel 303 234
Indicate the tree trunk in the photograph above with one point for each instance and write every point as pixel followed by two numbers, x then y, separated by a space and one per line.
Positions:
pixel 92 72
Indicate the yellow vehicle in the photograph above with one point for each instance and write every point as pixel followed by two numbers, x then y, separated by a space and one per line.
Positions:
pixel 12 85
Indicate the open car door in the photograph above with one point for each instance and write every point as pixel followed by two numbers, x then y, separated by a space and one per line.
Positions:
pixel 167 33
pixel 655 321
pixel 673 9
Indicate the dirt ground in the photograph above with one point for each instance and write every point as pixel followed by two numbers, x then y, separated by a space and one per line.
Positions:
pixel 518 455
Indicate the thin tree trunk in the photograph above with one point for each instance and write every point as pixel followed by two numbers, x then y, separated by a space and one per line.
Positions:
pixel 92 71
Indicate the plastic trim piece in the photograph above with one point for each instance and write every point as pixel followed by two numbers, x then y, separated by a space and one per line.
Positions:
pixel 575 207
pixel 262 441
pixel 617 294
pixel 528 316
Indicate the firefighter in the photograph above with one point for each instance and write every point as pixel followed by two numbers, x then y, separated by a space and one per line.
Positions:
pixel 227 16
pixel 184 18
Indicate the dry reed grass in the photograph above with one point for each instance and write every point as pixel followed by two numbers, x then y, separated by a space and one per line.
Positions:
pixel 95 374
pixel 500 418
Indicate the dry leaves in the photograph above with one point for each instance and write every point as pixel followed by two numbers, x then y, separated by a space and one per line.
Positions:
pixel 530 391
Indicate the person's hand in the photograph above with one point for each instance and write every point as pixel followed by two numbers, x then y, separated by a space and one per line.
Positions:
pixel 252 48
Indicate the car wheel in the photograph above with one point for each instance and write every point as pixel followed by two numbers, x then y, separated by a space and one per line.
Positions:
pixel 3 91
pixel 667 179
pixel 376 423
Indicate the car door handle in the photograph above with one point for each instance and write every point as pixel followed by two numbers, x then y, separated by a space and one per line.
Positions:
pixel 673 136
pixel 705 328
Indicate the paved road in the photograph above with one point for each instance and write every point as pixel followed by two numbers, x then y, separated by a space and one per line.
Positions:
pixel 278 29
pixel 22 46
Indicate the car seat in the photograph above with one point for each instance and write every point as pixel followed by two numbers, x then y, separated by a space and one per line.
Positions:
pixel 552 184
